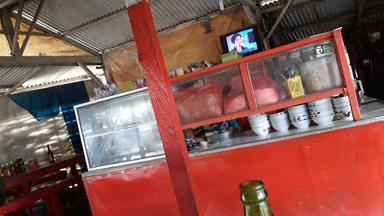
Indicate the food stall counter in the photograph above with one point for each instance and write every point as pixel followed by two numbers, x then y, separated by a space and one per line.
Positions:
pixel 335 167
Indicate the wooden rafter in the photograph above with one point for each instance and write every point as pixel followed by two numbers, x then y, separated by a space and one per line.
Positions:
pixel 33 61
pixel 25 42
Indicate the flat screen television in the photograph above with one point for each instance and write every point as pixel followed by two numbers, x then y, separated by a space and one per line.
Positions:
pixel 245 41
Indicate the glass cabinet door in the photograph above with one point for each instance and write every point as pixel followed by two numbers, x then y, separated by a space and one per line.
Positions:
pixel 119 130
pixel 210 96
pixel 296 73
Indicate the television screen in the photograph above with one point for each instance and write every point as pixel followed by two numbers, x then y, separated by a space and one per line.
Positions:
pixel 244 41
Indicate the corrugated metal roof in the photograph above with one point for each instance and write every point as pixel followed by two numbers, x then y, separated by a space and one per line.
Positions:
pixel 70 16
pixel 116 30
pixel 64 15
pixel 317 16
pixel 102 25
pixel 45 75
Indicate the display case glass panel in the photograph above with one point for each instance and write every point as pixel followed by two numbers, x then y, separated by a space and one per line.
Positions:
pixel 295 73
pixel 119 130
pixel 211 95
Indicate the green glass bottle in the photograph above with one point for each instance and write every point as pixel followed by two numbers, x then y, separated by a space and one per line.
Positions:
pixel 254 198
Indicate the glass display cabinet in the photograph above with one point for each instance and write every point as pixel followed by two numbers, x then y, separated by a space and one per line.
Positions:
pixel 119 130
pixel 289 75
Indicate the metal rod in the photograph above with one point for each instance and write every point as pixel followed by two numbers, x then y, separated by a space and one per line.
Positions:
pixel 40 34
pixel 26 39
pixel 281 15
pixel 17 28
pixel 91 74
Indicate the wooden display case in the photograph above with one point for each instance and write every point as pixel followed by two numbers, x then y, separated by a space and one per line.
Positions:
pixel 323 57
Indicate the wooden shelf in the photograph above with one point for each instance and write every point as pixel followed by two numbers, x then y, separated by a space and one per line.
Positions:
pixel 217 119
pixel 241 63
pixel 205 71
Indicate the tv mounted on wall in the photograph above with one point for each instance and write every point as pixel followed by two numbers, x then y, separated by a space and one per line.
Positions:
pixel 245 41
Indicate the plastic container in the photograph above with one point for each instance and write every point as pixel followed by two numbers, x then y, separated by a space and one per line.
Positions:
pixel 315 75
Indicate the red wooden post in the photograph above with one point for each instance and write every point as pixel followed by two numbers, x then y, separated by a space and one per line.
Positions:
pixel 164 106
pixel 345 72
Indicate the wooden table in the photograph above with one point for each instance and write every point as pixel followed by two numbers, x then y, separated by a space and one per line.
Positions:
pixel 53 180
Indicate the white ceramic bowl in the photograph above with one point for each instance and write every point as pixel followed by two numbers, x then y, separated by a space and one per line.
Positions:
pixel 281 114
pixel 278 118
pixel 340 100
pixel 321 112
pixel 323 122
pixel 261 131
pixel 322 109
pixel 321 102
pixel 297 109
pixel 342 106
pixel 323 119
pixel 282 127
pixel 259 124
pixel 343 115
pixel 280 121
pixel 302 124
pixel 257 118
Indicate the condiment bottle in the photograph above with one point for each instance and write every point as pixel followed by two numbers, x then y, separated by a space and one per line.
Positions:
pixel 3 172
pixel 254 198
pixel 7 170
pixel 293 81
pixel 20 164
pixel 50 155
pixel 12 168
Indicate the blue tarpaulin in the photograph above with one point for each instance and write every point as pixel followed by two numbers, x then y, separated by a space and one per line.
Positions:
pixel 46 103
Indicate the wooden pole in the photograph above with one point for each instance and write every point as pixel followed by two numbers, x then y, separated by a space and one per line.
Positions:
pixel 164 106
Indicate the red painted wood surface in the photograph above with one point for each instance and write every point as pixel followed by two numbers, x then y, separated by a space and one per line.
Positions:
pixel 164 105
pixel 333 173
pixel 48 193
pixel 21 185
pixel 34 177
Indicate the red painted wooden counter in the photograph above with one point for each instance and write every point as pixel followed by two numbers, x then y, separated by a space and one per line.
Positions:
pixel 333 173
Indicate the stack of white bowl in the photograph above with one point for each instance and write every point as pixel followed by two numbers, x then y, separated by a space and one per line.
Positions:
pixel 280 121
pixel 342 108
pixel 260 124
pixel 299 116
pixel 321 111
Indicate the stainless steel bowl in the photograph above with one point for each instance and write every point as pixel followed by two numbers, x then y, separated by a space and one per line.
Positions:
pixel 220 137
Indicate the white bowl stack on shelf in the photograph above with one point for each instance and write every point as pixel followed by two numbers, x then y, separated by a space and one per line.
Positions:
pixel 280 121
pixel 342 108
pixel 260 124
pixel 321 111
pixel 299 116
